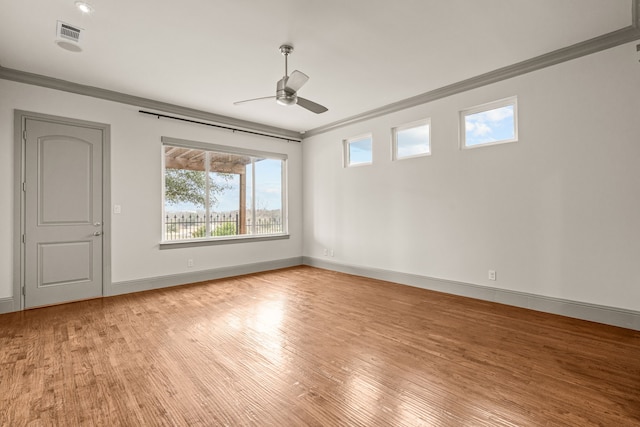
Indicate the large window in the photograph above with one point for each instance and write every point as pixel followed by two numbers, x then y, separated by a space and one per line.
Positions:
pixel 216 192
pixel 489 124
pixel 412 140
pixel 358 150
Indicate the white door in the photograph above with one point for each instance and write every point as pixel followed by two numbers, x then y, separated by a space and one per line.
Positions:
pixel 63 212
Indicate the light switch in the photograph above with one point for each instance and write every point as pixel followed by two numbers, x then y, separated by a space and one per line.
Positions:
pixel 117 209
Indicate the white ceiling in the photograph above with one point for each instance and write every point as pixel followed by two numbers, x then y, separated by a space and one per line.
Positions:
pixel 360 54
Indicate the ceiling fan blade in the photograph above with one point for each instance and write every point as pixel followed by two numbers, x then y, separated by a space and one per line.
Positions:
pixel 254 99
pixel 311 106
pixel 295 81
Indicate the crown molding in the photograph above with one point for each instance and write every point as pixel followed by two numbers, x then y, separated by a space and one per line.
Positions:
pixel 123 98
pixel 597 44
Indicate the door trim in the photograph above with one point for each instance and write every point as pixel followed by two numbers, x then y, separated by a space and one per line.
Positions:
pixel 20 119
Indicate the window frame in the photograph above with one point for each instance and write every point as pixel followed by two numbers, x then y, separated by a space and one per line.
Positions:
pixel 346 152
pixel 218 240
pixel 406 126
pixel 493 105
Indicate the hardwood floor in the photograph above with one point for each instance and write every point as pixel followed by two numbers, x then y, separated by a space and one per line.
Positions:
pixel 304 346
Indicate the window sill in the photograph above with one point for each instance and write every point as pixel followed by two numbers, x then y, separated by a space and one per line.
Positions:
pixel 213 242
pixel 489 144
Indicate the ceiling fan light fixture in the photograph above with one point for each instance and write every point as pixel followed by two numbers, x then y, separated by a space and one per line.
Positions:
pixel 287 100
pixel 84 7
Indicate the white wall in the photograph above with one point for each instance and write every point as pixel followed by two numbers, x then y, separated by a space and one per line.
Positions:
pixel 136 185
pixel 556 214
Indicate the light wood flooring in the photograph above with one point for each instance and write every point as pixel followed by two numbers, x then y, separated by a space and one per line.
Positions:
pixel 305 346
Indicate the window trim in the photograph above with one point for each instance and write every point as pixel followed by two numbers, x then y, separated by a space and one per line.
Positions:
pixel 405 126
pixel 346 152
pixel 221 240
pixel 185 143
pixel 493 105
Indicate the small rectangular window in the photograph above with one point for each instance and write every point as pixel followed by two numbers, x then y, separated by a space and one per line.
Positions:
pixel 222 192
pixel 412 140
pixel 358 150
pixel 489 124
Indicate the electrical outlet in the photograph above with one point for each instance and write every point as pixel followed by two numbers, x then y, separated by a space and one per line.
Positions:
pixel 492 275
pixel 331 252
pixel 325 252
pixel 189 262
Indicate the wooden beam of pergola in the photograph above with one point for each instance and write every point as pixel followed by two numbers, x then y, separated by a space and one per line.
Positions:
pixel 191 159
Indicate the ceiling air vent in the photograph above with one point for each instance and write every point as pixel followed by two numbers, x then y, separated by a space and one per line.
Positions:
pixel 68 37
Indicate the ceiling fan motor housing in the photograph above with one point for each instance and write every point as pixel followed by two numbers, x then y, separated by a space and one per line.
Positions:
pixel 283 97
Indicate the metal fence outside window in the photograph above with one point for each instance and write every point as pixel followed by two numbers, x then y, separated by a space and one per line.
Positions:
pixel 191 226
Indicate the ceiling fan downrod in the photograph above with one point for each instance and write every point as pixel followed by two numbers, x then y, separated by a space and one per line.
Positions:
pixel 286 49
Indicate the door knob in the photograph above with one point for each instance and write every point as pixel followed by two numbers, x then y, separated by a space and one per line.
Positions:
pixel 97 224
pixel 97 233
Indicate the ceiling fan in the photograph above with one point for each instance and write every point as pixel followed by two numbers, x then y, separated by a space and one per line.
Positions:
pixel 288 86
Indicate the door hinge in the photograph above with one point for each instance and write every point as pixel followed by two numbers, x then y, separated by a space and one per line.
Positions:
pixel 23 292
pixel 24 134
pixel 24 238
pixel 24 187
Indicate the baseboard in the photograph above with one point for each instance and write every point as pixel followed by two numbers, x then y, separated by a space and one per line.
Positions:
pixel 6 305
pixel 146 284
pixel 596 313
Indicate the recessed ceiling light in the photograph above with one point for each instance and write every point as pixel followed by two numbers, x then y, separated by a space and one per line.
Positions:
pixel 84 7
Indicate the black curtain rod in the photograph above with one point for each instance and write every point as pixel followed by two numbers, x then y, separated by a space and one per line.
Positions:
pixel 164 116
